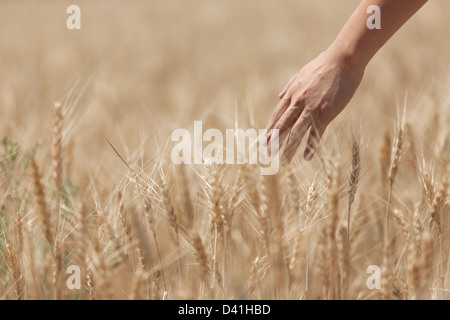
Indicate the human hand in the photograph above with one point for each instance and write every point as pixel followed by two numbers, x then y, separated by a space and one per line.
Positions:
pixel 311 100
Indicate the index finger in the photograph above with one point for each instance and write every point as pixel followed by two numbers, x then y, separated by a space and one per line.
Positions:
pixel 278 112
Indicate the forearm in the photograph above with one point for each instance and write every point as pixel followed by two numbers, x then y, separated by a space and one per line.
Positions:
pixel 357 43
pixel 322 88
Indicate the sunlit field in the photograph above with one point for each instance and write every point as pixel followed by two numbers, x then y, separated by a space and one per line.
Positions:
pixel 88 187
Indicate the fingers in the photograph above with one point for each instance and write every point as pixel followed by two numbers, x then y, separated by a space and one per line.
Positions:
pixel 278 112
pixel 315 134
pixel 282 105
pixel 296 136
pixel 286 88
pixel 288 119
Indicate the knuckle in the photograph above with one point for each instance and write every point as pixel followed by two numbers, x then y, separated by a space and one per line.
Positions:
pixel 279 126
pixel 297 101
pixel 295 107
pixel 309 110
pixel 295 87
pixel 286 98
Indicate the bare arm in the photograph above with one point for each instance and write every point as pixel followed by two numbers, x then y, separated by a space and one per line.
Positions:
pixel 322 88
pixel 357 41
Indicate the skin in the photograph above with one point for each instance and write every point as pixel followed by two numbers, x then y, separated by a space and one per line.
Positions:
pixel 322 89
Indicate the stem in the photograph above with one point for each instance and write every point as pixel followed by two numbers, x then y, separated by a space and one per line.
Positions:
pixel 388 208
pixel 307 271
pixel 347 282
pixel 180 273
pixel 160 262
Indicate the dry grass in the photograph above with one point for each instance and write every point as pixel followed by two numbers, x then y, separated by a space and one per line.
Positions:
pixel 140 227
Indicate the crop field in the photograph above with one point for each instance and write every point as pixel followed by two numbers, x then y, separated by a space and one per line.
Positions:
pixel 93 207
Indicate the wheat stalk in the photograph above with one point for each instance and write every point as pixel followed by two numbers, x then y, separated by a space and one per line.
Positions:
pixel 57 157
pixel 15 270
pixel 40 201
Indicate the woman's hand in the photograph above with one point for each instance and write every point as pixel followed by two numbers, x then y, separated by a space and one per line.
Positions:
pixel 322 89
pixel 312 99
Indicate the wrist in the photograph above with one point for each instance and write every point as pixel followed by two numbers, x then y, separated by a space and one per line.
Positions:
pixel 347 56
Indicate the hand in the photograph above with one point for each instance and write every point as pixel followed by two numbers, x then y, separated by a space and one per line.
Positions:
pixel 311 100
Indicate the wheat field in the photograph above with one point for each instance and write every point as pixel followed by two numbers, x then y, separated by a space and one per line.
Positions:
pixel 86 178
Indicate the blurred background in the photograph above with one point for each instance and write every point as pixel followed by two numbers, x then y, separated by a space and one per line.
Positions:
pixel 143 68
pixel 137 70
